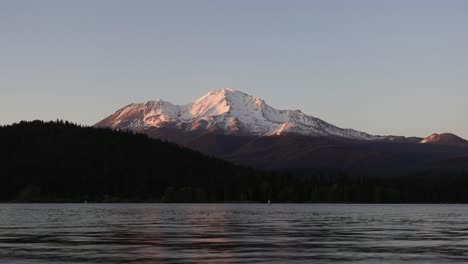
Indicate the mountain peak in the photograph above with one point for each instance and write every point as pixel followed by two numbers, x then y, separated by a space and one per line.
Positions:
pixel 223 101
pixel 215 102
pixel 224 90
pixel 226 93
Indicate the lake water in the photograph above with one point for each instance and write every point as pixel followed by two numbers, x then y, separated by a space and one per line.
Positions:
pixel 233 233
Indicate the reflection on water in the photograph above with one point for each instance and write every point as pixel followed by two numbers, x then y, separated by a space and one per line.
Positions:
pixel 232 233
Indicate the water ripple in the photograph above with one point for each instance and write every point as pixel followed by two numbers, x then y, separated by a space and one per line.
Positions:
pixel 232 233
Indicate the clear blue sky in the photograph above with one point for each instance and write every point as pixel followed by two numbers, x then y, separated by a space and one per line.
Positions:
pixel 384 67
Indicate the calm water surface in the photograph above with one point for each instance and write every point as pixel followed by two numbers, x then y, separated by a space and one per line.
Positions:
pixel 233 233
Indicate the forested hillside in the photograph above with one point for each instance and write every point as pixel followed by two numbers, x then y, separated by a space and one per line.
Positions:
pixel 64 162
pixel 60 161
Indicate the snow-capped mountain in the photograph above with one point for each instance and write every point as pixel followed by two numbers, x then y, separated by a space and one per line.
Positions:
pixel 225 111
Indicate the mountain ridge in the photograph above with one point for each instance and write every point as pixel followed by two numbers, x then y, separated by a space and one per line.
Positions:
pixel 230 112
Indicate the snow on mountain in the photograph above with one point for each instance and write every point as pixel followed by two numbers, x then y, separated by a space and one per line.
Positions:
pixel 225 111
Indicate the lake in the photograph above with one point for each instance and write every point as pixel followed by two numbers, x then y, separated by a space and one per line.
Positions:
pixel 233 233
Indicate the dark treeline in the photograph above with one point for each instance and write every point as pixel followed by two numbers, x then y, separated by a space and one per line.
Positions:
pixel 64 162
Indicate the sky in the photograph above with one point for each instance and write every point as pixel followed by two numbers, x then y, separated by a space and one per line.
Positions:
pixel 395 67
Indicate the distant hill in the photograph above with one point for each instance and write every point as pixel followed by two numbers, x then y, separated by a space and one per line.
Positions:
pixel 290 152
pixel 351 156
pixel 445 139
